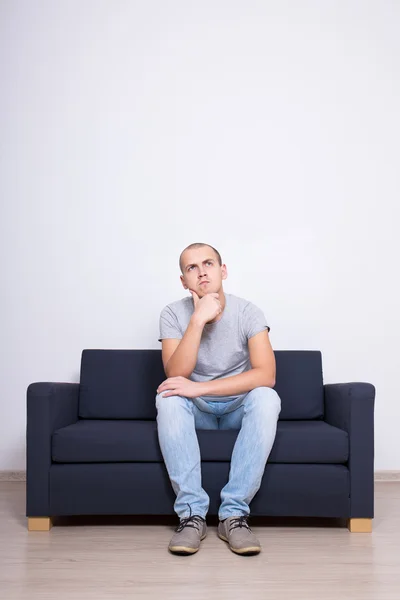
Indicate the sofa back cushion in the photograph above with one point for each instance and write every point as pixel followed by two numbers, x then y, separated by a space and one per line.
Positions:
pixel 299 384
pixel 119 384
pixel 122 384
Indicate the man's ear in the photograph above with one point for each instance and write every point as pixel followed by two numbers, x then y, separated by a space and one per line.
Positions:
pixel 224 272
pixel 183 282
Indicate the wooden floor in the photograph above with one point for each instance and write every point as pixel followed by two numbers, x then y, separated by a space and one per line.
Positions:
pixel 111 558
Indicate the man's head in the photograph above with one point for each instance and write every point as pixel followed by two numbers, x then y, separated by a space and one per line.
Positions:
pixel 202 269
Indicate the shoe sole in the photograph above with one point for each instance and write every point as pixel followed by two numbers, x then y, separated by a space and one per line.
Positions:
pixel 248 550
pixel 185 549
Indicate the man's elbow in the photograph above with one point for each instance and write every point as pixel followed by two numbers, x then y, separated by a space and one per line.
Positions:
pixel 270 383
pixel 176 372
pixel 269 379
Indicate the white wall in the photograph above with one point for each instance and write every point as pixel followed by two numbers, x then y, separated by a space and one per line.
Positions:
pixel 130 129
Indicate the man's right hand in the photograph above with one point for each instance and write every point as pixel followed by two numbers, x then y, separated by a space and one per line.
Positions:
pixel 206 308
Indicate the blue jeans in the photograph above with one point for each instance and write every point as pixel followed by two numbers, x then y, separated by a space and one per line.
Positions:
pixel 256 415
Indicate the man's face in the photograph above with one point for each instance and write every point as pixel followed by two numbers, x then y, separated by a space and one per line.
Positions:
pixel 202 272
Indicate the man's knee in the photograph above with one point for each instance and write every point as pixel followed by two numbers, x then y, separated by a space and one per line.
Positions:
pixel 170 403
pixel 265 398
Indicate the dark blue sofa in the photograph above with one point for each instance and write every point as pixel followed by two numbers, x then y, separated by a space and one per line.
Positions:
pixel 92 447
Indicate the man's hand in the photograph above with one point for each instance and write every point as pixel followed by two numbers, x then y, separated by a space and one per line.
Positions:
pixel 206 308
pixel 179 386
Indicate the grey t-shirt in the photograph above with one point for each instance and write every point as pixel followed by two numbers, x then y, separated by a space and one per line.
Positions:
pixel 223 350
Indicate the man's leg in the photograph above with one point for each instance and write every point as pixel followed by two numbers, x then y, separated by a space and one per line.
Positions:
pixel 257 419
pixel 177 420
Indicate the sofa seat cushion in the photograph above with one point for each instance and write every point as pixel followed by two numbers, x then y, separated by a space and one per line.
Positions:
pixel 90 441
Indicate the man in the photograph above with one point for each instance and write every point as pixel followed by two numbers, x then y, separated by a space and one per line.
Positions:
pixel 220 370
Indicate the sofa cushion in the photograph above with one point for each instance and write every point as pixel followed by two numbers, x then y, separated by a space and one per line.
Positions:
pixel 122 384
pixel 299 384
pixel 119 384
pixel 137 441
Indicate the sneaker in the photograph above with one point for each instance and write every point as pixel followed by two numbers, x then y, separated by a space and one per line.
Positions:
pixel 239 536
pixel 188 535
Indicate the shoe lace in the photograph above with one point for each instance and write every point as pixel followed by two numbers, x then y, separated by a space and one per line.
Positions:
pixel 239 522
pixel 191 521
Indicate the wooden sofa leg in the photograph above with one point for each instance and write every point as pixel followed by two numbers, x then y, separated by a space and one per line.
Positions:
pixel 360 525
pixel 39 523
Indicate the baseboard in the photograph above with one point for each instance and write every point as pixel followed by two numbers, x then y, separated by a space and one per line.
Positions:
pixel 387 475
pixel 382 475
pixel 12 475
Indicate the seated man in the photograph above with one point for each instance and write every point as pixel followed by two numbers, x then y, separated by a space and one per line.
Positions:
pixel 221 370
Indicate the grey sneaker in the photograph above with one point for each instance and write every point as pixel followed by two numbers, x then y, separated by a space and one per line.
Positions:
pixel 188 535
pixel 239 536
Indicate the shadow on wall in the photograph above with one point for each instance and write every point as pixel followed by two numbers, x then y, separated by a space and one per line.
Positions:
pixel 17 454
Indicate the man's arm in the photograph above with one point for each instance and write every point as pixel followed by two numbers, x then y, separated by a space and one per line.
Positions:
pixel 180 356
pixel 262 373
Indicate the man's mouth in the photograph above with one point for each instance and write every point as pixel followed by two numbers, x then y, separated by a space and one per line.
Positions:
pixel 203 282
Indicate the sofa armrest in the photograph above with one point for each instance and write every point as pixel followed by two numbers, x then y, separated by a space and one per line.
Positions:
pixel 50 406
pixel 350 406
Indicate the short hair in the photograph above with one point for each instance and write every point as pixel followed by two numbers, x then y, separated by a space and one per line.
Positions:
pixel 199 245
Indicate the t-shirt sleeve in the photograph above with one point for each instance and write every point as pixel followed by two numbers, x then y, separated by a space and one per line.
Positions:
pixel 169 326
pixel 253 321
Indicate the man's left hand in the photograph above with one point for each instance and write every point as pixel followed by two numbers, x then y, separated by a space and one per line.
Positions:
pixel 179 386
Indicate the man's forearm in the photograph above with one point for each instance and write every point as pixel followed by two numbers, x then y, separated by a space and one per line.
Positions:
pixel 238 384
pixel 184 359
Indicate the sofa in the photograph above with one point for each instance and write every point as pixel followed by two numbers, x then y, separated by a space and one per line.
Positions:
pixel 92 446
